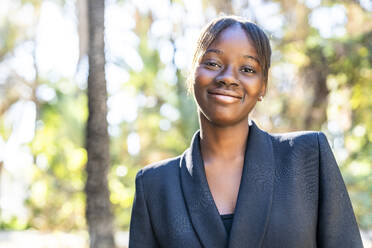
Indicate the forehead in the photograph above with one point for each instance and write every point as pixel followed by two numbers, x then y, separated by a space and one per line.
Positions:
pixel 234 38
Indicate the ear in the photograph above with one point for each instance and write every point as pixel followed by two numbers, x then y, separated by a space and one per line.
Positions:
pixel 263 91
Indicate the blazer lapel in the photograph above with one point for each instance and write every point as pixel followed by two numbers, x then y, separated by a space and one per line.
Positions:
pixel 255 195
pixel 202 209
pixel 254 201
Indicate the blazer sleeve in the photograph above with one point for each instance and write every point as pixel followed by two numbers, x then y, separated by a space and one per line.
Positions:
pixel 337 226
pixel 141 234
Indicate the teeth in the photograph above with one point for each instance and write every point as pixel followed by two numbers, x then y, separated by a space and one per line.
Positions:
pixel 224 98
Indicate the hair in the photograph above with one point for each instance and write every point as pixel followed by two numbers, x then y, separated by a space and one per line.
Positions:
pixel 210 32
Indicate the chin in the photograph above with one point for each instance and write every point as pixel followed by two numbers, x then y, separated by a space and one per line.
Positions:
pixel 225 120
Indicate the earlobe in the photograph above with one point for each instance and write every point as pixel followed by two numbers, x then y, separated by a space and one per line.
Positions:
pixel 263 92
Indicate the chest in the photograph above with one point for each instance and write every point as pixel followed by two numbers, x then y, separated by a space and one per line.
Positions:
pixel 224 186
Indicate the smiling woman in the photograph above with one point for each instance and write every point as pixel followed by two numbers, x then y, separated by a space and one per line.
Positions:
pixel 237 185
pixel 229 79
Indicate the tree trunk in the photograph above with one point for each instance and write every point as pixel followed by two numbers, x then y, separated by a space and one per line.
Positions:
pixel 315 75
pixel 98 208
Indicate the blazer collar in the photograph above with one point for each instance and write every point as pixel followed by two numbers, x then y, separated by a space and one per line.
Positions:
pixel 252 210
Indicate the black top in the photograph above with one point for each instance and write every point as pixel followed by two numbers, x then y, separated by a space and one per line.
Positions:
pixel 227 220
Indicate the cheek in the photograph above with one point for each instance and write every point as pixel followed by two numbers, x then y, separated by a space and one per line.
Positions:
pixel 198 95
pixel 200 82
pixel 203 76
pixel 254 85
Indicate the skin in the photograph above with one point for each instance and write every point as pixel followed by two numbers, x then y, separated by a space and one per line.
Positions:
pixel 228 84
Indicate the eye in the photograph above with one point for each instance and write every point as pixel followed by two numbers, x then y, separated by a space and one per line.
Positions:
pixel 212 64
pixel 247 69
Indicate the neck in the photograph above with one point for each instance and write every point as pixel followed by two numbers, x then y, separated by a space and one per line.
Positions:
pixel 222 143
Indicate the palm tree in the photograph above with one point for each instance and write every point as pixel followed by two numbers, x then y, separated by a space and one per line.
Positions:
pixel 98 208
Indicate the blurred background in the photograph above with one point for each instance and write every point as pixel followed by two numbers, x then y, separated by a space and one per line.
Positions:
pixel 320 79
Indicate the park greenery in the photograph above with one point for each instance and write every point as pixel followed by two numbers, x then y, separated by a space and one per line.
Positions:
pixel 321 79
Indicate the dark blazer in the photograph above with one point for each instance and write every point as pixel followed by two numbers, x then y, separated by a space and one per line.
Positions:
pixel 291 195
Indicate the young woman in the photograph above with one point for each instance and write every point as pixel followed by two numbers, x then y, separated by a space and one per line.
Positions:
pixel 238 186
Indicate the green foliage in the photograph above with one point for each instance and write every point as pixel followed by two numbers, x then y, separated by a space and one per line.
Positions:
pixel 58 178
pixel 13 224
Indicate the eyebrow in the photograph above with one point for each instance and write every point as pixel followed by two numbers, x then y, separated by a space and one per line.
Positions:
pixel 212 50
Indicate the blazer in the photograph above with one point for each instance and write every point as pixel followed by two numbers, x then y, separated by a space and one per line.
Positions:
pixel 291 195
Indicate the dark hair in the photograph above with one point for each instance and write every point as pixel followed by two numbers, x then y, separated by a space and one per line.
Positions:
pixel 216 26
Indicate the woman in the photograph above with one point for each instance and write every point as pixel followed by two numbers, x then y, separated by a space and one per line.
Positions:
pixel 238 186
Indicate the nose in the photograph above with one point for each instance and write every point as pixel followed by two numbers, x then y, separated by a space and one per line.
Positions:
pixel 227 77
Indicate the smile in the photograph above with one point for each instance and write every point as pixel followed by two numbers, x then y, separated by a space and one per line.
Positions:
pixel 224 97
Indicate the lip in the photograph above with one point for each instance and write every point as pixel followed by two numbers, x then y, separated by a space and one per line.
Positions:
pixel 221 92
pixel 224 96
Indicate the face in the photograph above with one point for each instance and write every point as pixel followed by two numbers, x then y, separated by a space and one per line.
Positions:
pixel 228 79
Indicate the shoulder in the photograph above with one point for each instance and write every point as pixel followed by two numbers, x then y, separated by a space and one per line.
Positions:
pixel 302 141
pixel 159 171
pixel 291 137
pixel 298 138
